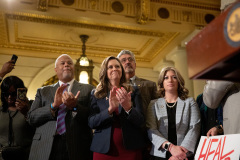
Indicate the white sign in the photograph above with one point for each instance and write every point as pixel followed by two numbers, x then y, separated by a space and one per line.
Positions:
pixel 226 147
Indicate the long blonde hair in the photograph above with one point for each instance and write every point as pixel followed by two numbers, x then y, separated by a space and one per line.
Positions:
pixel 182 90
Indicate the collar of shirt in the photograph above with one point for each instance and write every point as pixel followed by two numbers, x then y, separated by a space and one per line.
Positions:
pixel 133 78
pixel 70 84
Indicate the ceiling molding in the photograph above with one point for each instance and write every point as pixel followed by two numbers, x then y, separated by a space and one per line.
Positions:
pixel 82 24
pixel 205 5
pixel 163 37
pixel 3 29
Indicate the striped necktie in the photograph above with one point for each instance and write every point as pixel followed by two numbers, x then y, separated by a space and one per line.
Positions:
pixel 61 128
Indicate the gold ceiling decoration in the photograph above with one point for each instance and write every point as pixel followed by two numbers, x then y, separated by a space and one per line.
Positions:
pixel 3 31
pixel 42 5
pixel 164 42
pixel 60 21
pixel 112 28
pixel 75 46
pixel 190 4
pixel 143 11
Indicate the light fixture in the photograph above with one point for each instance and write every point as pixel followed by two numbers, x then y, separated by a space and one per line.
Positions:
pixel 84 66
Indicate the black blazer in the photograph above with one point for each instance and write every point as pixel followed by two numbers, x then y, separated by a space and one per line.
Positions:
pixel 132 124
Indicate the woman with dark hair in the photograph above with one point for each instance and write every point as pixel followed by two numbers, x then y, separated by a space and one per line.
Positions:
pixel 116 116
pixel 15 133
pixel 173 120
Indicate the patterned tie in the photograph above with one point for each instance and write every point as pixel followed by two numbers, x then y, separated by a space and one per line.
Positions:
pixel 61 128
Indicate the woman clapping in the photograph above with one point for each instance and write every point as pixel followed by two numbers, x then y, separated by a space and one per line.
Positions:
pixel 116 116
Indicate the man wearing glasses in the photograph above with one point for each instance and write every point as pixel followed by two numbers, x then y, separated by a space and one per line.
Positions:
pixel 148 89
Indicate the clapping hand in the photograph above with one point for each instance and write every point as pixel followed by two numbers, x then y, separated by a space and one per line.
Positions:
pixel 113 101
pixel 119 96
pixel 124 98
pixel 58 96
pixel 70 100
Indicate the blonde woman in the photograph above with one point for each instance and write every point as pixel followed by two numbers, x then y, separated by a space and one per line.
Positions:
pixel 173 120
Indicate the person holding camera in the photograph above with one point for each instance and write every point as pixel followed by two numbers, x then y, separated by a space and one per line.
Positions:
pixel 15 132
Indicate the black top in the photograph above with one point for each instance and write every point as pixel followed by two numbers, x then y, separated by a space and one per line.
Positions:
pixel 172 135
pixel 211 119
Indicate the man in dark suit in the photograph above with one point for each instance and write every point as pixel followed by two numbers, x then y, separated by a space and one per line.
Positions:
pixel 148 89
pixel 71 139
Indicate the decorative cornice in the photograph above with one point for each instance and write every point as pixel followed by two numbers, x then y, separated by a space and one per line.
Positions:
pixel 162 43
pixel 3 29
pixel 189 4
pixel 144 46
pixel 46 51
pixel 57 47
pixel 42 5
pixel 143 11
pixel 148 9
pixel 76 46
pixel 82 24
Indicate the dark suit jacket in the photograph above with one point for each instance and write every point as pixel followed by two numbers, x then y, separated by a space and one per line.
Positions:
pixel 148 91
pixel 78 133
pixel 101 121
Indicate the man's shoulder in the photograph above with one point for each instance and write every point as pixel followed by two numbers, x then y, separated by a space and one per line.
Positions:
pixel 48 86
pixel 83 85
pixel 142 80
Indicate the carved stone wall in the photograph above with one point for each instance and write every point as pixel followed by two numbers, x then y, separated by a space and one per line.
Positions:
pixel 194 12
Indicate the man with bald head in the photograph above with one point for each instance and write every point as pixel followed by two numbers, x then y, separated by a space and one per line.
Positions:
pixel 60 114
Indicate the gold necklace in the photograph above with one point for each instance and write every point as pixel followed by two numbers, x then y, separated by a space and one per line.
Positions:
pixel 172 105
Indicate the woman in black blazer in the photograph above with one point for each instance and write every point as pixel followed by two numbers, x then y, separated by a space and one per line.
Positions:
pixel 116 116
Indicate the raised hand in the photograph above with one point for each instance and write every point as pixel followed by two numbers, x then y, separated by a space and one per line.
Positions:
pixel 113 101
pixel 70 100
pixel 6 68
pixel 58 96
pixel 124 98
pixel 22 106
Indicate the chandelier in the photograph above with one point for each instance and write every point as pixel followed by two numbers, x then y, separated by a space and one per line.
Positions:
pixel 84 66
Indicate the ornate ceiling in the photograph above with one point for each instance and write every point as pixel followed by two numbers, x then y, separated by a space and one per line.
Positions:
pixel 40 30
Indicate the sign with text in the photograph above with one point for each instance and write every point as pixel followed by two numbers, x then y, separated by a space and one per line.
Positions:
pixel 226 147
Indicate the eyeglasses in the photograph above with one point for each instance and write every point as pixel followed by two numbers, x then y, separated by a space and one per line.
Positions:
pixel 124 60
pixel 12 94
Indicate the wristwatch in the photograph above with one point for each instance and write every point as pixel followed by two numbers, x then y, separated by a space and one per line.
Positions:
pixel 167 145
